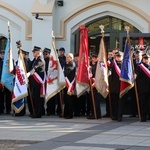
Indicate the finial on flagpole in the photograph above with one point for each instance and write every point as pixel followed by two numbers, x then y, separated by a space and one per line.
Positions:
pixel 102 29
pixel 53 34
pixel 127 28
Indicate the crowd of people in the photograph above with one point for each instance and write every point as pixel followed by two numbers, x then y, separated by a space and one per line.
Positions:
pixel 83 105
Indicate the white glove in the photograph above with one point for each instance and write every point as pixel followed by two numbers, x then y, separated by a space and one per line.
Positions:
pixel 32 71
pixel 28 74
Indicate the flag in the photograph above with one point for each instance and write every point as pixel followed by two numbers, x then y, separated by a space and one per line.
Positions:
pixel 82 77
pixel 126 77
pixel 7 78
pixel 20 86
pixel 55 76
pixel 101 75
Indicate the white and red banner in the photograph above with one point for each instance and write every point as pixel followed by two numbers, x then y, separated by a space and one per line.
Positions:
pixel 82 78
pixel 55 76
pixel 101 75
pixel 20 85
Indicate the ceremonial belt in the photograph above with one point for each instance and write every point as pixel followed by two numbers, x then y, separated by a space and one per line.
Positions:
pixel 117 69
pixel 42 82
pixel 145 70
pixel 70 86
pixel 93 82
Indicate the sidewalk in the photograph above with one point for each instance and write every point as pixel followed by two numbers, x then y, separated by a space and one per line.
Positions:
pixel 54 133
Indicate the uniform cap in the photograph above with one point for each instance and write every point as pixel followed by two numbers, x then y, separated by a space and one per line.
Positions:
pixel 36 48
pixel 25 52
pixel 119 53
pixel 145 55
pixel 94 55
pixel 137 51
pixel 47 50
pixel 62 49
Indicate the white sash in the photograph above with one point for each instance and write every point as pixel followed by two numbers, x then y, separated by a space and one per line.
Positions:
pixel 145 70
pixel 70 86
pixel 42 82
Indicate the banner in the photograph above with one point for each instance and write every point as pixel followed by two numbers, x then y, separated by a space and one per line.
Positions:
pixel 82 77
pixel 20 86
pixel 126 77
pixel 101 75
pixel 55 76
pixel 7 78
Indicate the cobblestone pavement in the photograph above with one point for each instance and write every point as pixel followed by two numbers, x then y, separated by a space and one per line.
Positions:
pixel 54 133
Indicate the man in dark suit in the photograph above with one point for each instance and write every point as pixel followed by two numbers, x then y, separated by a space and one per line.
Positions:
pixel 115 69
pixel 37 81
pixel 143 82
pixel 69 72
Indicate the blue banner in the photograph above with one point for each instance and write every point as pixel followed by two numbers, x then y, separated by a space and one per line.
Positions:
pixel 7 78
pixel 126 77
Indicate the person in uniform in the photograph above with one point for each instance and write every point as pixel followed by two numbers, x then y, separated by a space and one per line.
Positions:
pixel 62 61
pixel 69 73
pixel 62 57
pixel 137 58
pixel 1 86
pixel 50 105
pixel 37 79
pixel 143 82
pixel 97 96
pixel 115 69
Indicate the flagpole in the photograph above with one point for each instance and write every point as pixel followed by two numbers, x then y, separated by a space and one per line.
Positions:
pixel 133 68
pixel 61 104
pixel 93 100
pixel 20 53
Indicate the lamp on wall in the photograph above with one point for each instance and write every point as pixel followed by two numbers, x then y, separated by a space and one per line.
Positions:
pixel 60 3
pixel 37 17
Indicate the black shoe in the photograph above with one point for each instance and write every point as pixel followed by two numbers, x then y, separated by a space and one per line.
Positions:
pixel 93 117
pixel 36 116
pixel 132 116
pixel 48 114
pixel 30 115
pixel 68 117
pixel 143 120
pixel 114 118
pixel 106 116
pixel 8 112
pixel 119 120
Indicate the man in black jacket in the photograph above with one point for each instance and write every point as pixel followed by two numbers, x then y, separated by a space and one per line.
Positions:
pixel 37 81
pixel 143 82
pixel 69 72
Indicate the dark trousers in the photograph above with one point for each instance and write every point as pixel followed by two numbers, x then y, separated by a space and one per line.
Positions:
pixel 2 101
pixel 68 102
pixel 145 105
pixel 97 99
pixel 8 99
pixel 107 106
pixel 51 106
pixel 114 104
pixel 37 101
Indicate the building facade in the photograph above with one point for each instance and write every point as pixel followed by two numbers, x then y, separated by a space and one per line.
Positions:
pixel 32 21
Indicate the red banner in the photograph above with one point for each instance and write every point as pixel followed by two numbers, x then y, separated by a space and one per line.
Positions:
pixel 82 78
